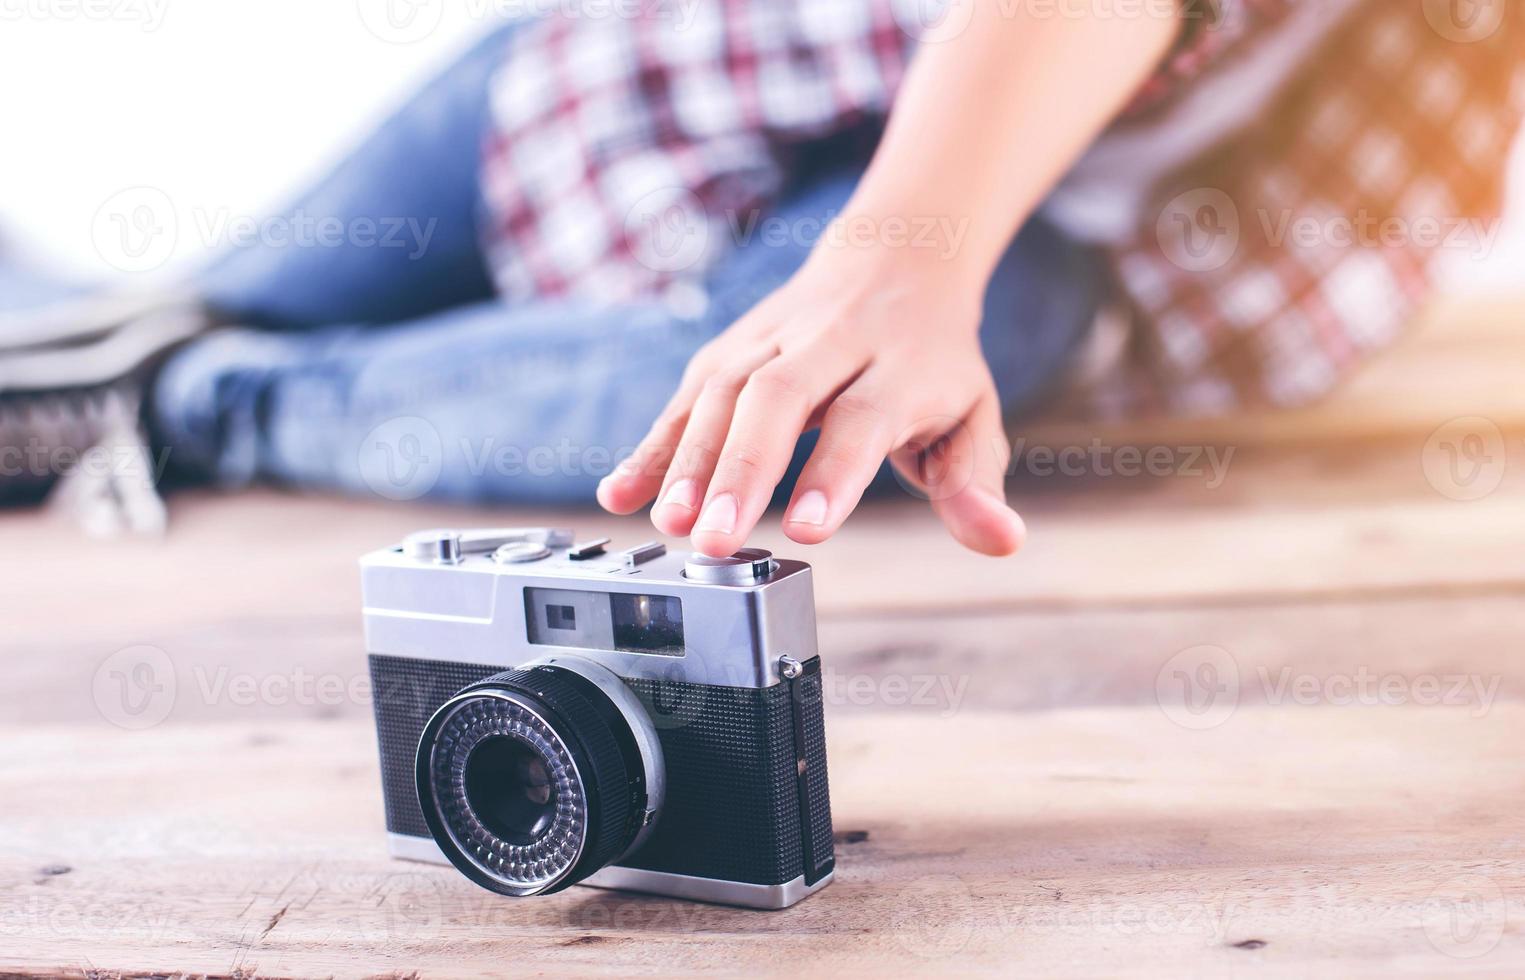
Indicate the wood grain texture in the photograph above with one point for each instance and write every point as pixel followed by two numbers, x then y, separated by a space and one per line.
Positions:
pixel 1093 842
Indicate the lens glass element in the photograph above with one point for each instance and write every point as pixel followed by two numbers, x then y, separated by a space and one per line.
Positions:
pixel 509 788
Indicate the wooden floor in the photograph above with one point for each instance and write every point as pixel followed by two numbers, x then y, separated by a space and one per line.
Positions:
pixel 1199 728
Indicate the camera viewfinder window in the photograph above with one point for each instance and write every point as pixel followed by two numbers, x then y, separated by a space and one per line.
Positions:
pixel 617 621
pixel 648 623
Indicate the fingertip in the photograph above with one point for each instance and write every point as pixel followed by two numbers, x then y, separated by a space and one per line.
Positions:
pixel 982 522
pixel 622 495
pixel 805 533
pixel 611 496
pixel 1010 538
pixel 1019 533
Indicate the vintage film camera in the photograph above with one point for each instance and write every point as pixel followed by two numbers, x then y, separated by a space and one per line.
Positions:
pixel 552 713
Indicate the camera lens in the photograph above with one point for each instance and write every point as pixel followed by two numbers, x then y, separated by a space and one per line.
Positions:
pixel 508 786
pixel 534 779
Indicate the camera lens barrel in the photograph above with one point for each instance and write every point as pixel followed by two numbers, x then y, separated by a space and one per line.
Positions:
pixel 533 779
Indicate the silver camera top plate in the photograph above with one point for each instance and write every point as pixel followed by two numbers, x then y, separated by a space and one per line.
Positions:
pixel 470 596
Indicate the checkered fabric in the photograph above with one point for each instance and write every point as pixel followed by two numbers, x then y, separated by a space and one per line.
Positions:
pixel 624 147
pixel 1265 271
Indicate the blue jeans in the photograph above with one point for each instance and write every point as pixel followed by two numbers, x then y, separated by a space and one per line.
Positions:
pixel 394 370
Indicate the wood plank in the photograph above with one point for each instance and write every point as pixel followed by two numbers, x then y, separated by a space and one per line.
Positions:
pixel 1105 842
pixel 1300 524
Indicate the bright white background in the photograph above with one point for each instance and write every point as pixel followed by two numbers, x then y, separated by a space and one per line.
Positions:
pixel 226 105
pixel 232 104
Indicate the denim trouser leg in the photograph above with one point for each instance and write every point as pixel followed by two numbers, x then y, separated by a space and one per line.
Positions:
pixel 534 403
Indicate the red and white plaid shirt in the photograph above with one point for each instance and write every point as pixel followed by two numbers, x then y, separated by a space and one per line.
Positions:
pixel 1261 270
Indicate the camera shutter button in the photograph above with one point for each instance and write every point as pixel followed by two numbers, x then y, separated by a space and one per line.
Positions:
pixel 747 567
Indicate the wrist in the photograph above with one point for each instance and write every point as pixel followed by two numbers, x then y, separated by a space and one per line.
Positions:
pixel 928 252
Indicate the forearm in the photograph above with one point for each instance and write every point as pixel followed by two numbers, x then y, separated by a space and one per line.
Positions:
pixel 988 121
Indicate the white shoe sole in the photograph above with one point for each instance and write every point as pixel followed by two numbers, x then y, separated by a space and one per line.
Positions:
pixel 111 357
pixel 76 319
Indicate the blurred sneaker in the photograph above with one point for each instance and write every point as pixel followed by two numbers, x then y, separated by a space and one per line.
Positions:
pixel 45 355
pixel 67 317
pixel 71 417
pixel 86 448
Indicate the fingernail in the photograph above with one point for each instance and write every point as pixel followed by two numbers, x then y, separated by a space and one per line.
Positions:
pixel 719 515
pixel 684 493
pixel 809 509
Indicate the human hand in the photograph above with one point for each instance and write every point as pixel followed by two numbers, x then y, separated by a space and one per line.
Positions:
pixel 878 349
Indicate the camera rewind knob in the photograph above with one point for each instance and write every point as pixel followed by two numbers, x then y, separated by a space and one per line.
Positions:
pixel 449 546
pixel 440 547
